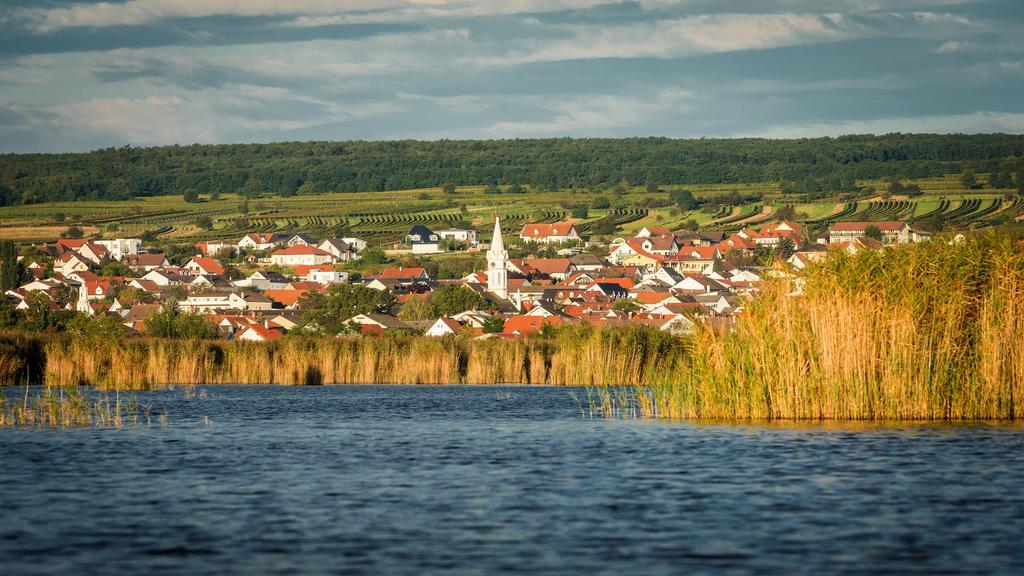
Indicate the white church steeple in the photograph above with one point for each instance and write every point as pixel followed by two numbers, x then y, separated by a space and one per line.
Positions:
pixel 497 259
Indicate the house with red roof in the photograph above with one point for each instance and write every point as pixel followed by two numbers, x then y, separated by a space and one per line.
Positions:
pixel 406 274
pixel 261 241
pixel 523 325
pixel 204 265
pixel 93 253
pixel 258 333
pixel 554 268
pixel 65 245
pixel 553 233
pixel 68 263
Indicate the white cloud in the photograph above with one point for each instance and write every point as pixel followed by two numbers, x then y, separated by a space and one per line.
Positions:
pixel 953 46
pixel 309 12
pixel 591 115
pixel 681 37
pixel 206 116
pixel 138 121
pixel 974 123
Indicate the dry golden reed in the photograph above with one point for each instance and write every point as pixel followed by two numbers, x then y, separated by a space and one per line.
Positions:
pixel 572 356
pixel 932 331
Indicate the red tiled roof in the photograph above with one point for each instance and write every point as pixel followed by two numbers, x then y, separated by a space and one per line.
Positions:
pixel 286 297
pixel 549 265
pixel 626 283
pixel 305 269
pixel 208 265
pixel 262 331
pixel 545 230
pixel 403 273
pixel 66 244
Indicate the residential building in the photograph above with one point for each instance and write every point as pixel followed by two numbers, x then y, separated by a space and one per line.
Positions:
pixel 549 233
pixel 423 240
pixel 300 254
pixel 894 232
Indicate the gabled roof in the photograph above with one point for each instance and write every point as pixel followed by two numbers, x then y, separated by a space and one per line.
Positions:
pixel 207 265
pixel 389 322
pixel 285 297
pixel 522 324
pixel 337 243
pixel 699 252
pixel 586 260
pixel 546 230
pixel 262 331
pixel 625 283
pixel 549 265
pixel 266 238
pixel 403 273
pixel 420 234
pixel 304 237
pixel 449 322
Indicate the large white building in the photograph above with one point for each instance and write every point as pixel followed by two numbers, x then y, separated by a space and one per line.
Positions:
pixel 121 247
pixel 467 237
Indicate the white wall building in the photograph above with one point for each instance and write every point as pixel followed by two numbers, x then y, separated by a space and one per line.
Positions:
pixel 121 247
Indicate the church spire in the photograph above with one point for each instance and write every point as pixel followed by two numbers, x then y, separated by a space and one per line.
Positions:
pixel 497 263
pixel 497 244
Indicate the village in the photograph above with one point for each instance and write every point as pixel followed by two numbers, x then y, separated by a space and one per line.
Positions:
pixel 659 278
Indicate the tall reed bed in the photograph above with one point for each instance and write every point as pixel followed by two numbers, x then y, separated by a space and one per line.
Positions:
pixel 570 356
pixel 932 331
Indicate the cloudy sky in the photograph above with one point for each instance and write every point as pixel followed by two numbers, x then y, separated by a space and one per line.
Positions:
pixel 78 75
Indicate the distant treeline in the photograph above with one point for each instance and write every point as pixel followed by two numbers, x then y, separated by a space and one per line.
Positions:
pixel 808 165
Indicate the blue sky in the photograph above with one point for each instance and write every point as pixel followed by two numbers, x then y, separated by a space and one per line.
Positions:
pixel 80 75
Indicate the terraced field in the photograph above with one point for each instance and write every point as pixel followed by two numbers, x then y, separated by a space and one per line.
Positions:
pixel 384 218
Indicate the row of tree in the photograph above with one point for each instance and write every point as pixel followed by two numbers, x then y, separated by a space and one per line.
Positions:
pixel 811 166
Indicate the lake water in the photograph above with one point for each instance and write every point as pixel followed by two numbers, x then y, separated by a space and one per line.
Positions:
pixel 486 480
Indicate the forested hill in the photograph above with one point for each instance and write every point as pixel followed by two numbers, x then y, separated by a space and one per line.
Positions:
pixel 823 164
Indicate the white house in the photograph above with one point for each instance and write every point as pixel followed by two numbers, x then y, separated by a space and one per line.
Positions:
pixel 217 248
pixel 261 241
pixel 258 333
pixel 263 280
pixel 121 247
pixel 444 326
pixel 321 276
pixel 206 303
pixel 357 244
pixel 94 253
pixel 301 254
pixel 467 237
pixel 423 240
pixel 69 263
pixel 338 247
pixel 204 265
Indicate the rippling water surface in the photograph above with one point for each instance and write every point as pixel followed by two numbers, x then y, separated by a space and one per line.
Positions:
pixel 410 480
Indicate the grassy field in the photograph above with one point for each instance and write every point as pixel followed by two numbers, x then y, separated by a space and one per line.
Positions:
pixel 384 217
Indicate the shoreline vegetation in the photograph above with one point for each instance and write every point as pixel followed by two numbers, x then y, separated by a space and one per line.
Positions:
pixel 926 332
